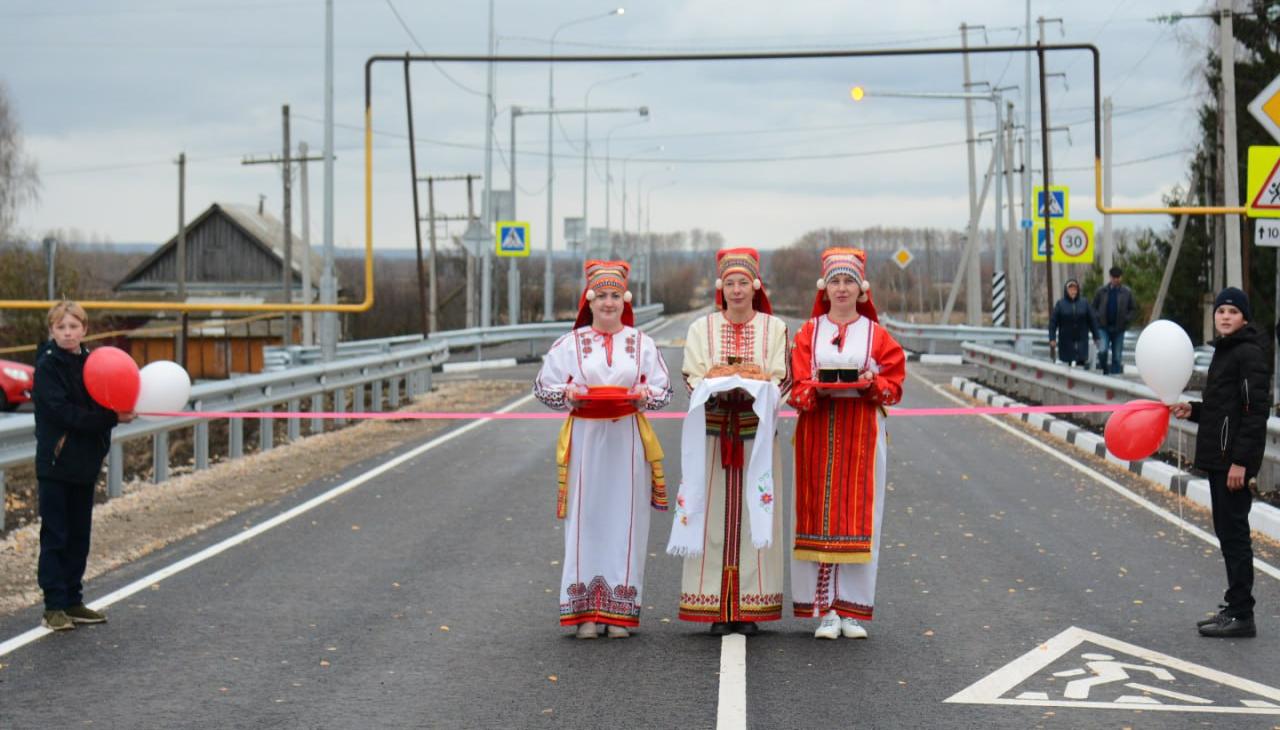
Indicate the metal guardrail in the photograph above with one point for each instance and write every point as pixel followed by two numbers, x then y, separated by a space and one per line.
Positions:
pixel 936 339
pixel 280 358
pixel 1040 381
pixel 383 377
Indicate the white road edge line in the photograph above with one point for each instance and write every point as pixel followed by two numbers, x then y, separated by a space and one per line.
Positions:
pixel 731 709
pixel 1111 484
pixel 28 637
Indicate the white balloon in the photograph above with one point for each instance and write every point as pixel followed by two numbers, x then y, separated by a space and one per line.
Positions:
pixel 1165 359
pixel 165 387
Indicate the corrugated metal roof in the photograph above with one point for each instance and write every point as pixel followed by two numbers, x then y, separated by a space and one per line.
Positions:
pixel 270 230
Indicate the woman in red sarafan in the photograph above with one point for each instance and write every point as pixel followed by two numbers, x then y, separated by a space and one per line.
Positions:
pixel 840 447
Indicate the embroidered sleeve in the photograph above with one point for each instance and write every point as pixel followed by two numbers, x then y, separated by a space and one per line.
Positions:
pixel 886 388
pixel 555 374
pixel 654 370
pixel 695 363
pixel 803 396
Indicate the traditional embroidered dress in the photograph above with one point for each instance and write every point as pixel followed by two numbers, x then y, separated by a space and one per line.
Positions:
pixel 605 485
pixel 728 579
pixel 840 460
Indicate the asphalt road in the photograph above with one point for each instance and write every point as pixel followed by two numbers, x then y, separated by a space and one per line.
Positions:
pixel 426 597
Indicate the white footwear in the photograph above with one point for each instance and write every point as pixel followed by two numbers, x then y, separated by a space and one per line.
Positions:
pixel 829 628
pixel 852 629
pixel 617 632
pixel 587 630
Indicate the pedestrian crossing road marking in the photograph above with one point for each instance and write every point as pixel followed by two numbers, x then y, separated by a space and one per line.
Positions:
pixel 1080 668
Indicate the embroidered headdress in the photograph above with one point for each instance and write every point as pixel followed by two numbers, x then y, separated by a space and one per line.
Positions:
pixel 605 276
pixel 745 261
pixel 851 262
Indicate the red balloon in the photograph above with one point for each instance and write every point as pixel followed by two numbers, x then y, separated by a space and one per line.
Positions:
pixel 111 377
pixel 1136 433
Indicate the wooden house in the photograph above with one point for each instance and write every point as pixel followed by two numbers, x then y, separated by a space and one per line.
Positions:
pixel 234 253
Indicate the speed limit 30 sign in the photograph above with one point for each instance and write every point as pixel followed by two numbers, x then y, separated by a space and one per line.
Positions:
pixel 1073 242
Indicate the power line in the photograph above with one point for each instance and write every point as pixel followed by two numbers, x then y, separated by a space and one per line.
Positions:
pixel 422 48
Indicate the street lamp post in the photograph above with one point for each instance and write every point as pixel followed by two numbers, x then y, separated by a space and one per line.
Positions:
pixel 858 93
pixel 608 177
pixel 648 249
pixel 548 294
pixel 625 160
pixel 586 146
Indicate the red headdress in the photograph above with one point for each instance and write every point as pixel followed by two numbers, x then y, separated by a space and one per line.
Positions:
pixel 745 261
pixel 852 262
pixel 601 276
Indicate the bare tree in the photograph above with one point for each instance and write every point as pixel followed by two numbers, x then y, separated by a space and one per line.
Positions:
pixel 19 182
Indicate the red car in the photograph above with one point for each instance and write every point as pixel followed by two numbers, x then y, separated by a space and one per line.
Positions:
pixel 15 384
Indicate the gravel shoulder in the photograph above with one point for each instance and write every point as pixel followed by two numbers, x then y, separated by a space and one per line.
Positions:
pixel 149 516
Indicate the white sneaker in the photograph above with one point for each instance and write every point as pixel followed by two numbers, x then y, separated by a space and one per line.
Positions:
pixel 617 632
pixel 587 630
pixel 829 628
pixel 852 629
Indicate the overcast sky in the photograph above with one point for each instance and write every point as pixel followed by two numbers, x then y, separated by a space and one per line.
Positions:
pixel 108 93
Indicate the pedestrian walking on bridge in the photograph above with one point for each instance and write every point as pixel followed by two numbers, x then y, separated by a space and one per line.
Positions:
pixel 1070 325
pixel 1231 437
pixel 606 373
pixel 840 447
pixel 1113 308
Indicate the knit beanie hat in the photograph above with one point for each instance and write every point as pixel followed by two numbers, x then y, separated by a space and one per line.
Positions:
pixel 1235 298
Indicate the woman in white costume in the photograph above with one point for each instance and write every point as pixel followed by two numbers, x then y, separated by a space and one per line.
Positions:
pixel 605 372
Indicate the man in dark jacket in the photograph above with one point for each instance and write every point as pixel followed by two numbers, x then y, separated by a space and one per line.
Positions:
pixel 1070 324
pixel 1230 440
pixel 73 435
pixel 1113 307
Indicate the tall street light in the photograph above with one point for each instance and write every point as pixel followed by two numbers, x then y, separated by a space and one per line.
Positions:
pixel 625 160
pixel 548 294
pixel 648 249
pixel 858 93
pixel 608 176
pixel 586 146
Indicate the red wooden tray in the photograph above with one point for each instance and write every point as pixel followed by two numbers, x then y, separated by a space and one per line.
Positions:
pixel 607 394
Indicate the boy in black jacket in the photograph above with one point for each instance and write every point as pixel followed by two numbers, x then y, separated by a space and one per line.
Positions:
pixel 1230 440
pixel 73 434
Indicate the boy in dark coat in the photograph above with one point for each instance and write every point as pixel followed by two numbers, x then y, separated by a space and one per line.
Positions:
pixel 1071 324
pixel 73 434
pixel 1230 440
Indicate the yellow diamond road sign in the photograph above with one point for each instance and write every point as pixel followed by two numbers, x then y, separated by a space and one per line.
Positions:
pixel 1265 107
pixel 902 257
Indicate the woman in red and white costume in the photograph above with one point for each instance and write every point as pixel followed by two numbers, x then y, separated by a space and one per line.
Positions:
pixel 841 449
pixel 605 486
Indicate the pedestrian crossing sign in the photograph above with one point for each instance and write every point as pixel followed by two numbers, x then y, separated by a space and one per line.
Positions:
pixel 511 238
pixel 1073 243
pixel 1057 202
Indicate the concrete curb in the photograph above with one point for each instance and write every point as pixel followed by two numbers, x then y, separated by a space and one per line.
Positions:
pixel 1263 517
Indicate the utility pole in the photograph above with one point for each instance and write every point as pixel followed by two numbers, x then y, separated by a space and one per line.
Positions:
pixel 1046 150
pixel 1230 169
pixel 308 333
pixel 1016 300
pixel 286 160
pixel 486 275
pixel 433 311
pixel 1028 238
pixel 180 347
pixel 329 283
pixel 1108 244
pixel 973 285
pixel 424 323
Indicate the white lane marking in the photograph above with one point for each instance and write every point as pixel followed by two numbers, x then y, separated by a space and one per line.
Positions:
pixel 27 637
pixel 991 689
pixel 1107 482
pixel 731 710
pixel 652 327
